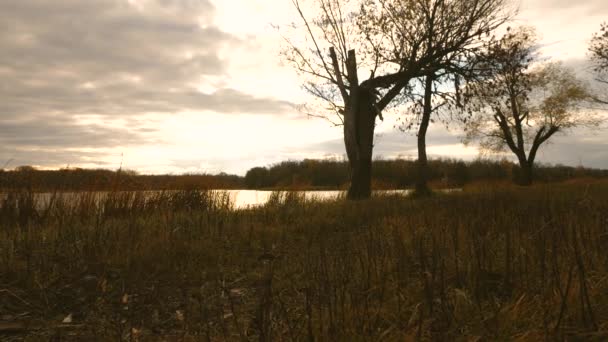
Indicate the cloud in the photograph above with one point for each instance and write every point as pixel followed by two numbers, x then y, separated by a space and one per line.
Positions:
pixel 597 7
pixel 57 158
pixel 60 141
pixel 81 77
pixel 64 61
pixel 392 143
pixel 578 146
pixel 64 133
pixel 115 57
pixel 581 147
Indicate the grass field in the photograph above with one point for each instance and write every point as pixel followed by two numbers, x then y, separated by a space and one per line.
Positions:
pixel 489 263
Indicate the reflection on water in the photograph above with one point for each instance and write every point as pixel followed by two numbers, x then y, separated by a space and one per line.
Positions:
pixel 241 199
pixel 249 198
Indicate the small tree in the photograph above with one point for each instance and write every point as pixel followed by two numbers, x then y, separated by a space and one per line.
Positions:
pixel 525 102
pixel 439 95
pixel 599 55
pixel 426 103
pixel 457 29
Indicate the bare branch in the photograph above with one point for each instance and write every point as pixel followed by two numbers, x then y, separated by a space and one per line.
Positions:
pixel 296 3
pixel 338 73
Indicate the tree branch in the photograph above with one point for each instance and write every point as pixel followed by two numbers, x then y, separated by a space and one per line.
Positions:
pixel 339 80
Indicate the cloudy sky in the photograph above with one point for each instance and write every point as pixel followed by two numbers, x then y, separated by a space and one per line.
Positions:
pixel 198 86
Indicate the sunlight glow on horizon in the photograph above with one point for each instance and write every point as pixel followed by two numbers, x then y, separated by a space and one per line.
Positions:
pixel 188 140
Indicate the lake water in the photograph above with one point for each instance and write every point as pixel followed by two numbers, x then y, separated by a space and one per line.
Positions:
pixel 240 198
pixel 248 198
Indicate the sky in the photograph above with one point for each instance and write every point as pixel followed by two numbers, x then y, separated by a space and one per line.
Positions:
pixel 192 86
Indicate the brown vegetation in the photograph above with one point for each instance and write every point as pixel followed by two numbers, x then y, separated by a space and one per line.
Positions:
pixel 27 177
pixel 488 263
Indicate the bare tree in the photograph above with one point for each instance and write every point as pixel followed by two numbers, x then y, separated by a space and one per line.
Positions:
pixel 458 29
pixel 525 102
pixel 439 99
pixel 396 41
pixel 433 98
pixel 599 55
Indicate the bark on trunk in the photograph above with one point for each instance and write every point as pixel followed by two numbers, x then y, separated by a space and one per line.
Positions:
pixel 361 180
pixel 359 125
pixel 422 164
pixel 422 175
pixel 361 108
pixel 526 174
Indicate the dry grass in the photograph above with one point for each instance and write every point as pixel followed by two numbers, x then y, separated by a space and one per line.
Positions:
pixel 486 264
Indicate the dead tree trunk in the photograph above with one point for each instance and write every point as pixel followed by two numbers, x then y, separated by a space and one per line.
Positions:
pixel 361 106
pixel 359 125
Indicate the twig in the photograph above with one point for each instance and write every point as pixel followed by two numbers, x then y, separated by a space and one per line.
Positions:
pixel 14 295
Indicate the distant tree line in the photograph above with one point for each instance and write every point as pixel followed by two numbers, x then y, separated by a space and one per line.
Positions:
pixel 305 174
pixel 402 173
pixel 76 179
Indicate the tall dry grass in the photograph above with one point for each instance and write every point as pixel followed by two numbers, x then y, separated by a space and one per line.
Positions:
pixel 488 264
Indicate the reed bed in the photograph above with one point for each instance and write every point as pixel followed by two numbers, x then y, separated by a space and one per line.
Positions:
pixel 484 264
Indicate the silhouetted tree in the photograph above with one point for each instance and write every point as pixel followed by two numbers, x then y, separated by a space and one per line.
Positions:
pixel 599 55
pixel 390 38
pixel 25 168
pixel 422 109
pixel 459 26
pixel 525 102
pixel 257 178
pixel 335 79
pixel 426 105
pixel 399 40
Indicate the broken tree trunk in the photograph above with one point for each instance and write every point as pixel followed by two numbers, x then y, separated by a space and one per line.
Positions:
pixel 359 125
pixel 361 106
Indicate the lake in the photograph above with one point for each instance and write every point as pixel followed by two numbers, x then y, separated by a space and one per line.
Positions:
pixel 250 198
pixel 241 199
